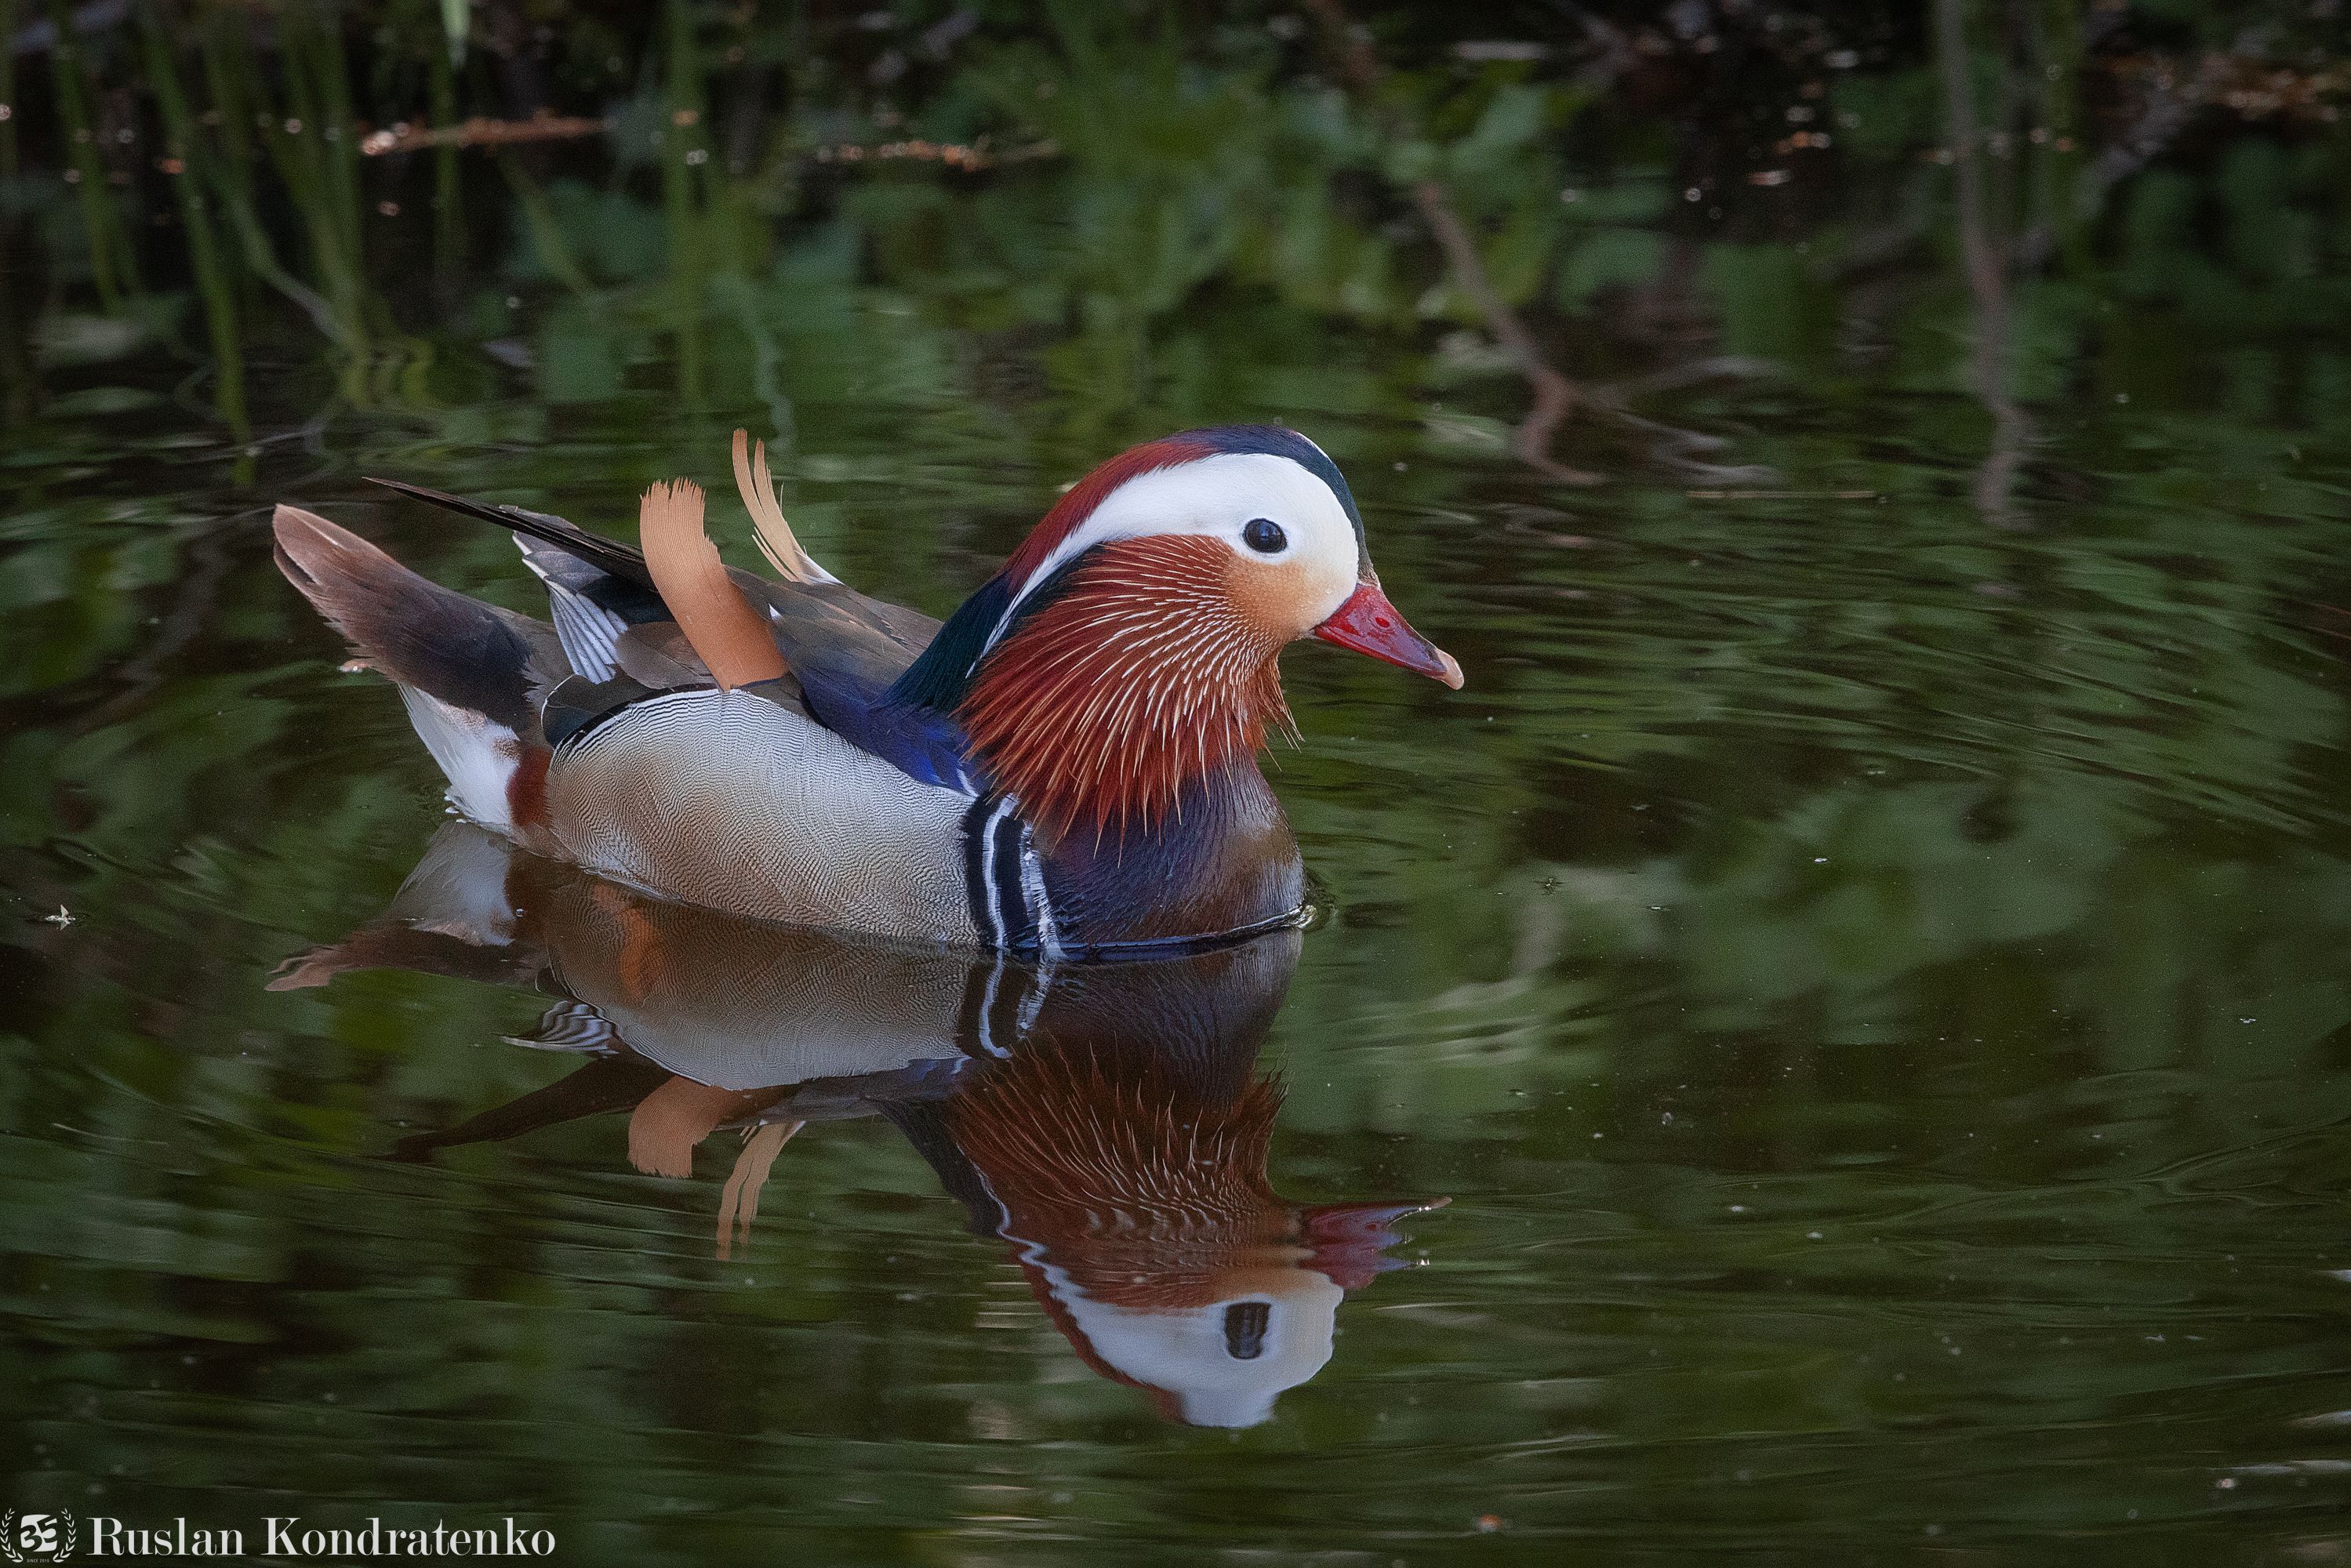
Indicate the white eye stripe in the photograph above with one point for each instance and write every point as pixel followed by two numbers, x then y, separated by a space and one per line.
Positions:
pixel 1218 498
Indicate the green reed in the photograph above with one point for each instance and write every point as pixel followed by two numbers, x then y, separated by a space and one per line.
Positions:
pixel 15 376
pixel 314 146
pixel 187 152
pixel 683 136
pixel 113 267
pixel 448 187
pixel 236 111
pixel 8 91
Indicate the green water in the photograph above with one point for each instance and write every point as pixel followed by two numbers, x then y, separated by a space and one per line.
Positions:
pixel 1865 957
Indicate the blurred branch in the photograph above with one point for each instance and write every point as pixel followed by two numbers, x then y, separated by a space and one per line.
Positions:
pixel 480 132
pixel 954 154
pixel 2165 115
pixel 1555 396
pixel 2246 85
pixel 1987 273
pixel 1612 53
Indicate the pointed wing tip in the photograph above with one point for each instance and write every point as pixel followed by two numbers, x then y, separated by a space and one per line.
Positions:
pixel 482 510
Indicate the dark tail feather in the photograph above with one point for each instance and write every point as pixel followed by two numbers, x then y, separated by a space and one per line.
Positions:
pixel 604 1085
pixel 469 654
pixel 621 561
pixel 396 945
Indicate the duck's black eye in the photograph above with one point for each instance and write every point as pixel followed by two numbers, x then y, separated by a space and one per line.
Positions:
pixel 1263 535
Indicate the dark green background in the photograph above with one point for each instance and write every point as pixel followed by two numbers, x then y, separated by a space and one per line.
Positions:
pixel 1866 955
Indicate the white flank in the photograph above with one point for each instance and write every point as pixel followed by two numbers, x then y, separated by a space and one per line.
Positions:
pixel 477 757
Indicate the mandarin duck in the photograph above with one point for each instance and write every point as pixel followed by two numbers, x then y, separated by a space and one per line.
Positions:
pixel 1106 1122
pixel 1066 768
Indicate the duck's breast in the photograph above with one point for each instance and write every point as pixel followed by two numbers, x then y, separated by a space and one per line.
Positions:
pixel 736 802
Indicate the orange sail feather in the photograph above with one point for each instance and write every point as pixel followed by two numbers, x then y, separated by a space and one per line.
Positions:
pixel 726 632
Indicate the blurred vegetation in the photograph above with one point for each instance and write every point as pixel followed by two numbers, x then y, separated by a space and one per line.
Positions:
pixel 1900 791
pixel 945 206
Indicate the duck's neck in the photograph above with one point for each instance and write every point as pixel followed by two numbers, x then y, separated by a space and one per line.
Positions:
pixel 1124 692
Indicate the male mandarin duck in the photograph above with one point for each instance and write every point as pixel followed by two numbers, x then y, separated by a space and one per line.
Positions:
pixel 1066 768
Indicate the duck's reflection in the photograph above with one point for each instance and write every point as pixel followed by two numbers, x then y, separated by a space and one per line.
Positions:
pixel 1107 1121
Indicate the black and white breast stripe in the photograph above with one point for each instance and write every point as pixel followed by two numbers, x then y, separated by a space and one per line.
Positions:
pixel 1003 880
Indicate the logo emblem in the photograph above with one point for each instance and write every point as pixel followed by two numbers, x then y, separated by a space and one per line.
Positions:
pixel 36 1537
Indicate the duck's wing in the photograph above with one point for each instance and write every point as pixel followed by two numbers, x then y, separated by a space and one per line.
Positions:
pixel 845 648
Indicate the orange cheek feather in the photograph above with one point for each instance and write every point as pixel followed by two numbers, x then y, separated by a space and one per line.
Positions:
pixel 1275 599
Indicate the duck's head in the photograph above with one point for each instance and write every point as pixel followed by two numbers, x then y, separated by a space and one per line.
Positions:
pixel 1129 644
pixel 1250 520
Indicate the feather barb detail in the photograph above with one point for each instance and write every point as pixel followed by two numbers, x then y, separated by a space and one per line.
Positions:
pixel 1134 679
pixel 776 541
pixel 724 631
